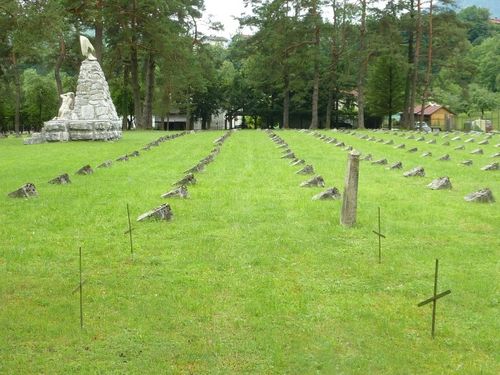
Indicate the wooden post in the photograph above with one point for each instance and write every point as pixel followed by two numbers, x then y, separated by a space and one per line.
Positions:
pixel 350 196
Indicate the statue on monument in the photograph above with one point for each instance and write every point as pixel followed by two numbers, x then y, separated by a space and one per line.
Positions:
pixel 87 48
pixel 67 105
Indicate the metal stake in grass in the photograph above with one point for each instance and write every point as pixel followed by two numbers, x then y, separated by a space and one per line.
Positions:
pixel 129 231
pixel 380 236
pixel 434 299
pixel 80 288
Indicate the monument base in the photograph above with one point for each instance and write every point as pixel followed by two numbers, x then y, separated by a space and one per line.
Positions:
pixel 77 130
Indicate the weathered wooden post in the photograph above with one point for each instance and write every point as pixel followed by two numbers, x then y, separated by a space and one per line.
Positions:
pixel 350 202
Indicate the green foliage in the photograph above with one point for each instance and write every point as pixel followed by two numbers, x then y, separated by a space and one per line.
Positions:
pixel 40 99
pixel 385 91
pixel 477 20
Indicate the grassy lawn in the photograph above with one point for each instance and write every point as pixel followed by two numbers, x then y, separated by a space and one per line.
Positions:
pixel 251 276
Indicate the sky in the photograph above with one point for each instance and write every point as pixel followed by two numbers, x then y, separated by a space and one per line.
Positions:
pixel 224 10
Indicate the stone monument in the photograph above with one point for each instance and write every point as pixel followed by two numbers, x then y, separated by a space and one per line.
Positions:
pixel 87 115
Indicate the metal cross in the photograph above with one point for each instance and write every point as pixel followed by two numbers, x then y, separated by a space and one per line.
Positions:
pixel 380 236
pixel 129 231
pixel 434 299
pixel 80 288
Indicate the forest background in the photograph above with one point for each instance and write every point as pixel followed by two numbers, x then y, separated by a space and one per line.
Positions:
pixel 308 63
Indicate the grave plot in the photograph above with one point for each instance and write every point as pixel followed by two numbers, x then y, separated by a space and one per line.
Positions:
pixel 252 275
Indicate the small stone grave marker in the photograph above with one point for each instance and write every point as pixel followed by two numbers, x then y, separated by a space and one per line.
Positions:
pixel 477 151
pixel 188 179
pixel 426 154
pixel 431 142
pixel 297 162
pixel 456 138
pixel 348 148
pixel 61 180
pixel 122 158
pixel 415 172
pixel 470 140
pixel 389 142
pixel 446 143
pixel 440 183
pixel 367 157
pixel 400 146
pixel 200 167
pixel 25 191
pixel 490 167
pixel 484 142
pixel 289 155
pixel 461 147
pixel 180 192
pixel 85 170
pixel 316 181
pixel 396 165
pixel 308 169
pixel 330 193
pixel 445 157
pixel 481 196
pixel 380 162
pixel 163 212
pixel 420 139
pixel 414 149
pixel 133 154
pixel 496 155
pixel 466 163
pixel 106 164
pixel 340 144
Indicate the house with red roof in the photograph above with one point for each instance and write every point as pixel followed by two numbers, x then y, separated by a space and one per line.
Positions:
pixel 436 116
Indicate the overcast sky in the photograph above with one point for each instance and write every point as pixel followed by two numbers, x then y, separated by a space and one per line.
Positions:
pixel 223 11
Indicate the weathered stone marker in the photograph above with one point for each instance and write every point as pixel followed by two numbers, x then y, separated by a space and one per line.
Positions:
pixel 61 180
pixel 434 299
pixel 25 191
pixel 350 202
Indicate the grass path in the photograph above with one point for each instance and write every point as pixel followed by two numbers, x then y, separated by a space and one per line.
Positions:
pixel 251 276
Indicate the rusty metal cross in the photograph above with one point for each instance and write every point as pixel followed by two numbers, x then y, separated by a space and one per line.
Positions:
pixel 380 236
pixel 434 299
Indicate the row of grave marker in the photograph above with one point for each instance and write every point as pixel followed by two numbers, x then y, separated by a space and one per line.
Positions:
pixel 484 195
pixel 307 169
pixel 29 189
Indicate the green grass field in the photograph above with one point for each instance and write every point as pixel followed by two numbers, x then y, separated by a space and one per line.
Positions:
pixel 251 276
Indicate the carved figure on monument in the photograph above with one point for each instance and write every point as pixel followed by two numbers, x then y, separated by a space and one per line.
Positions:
pixel 88 49
pixel 67 105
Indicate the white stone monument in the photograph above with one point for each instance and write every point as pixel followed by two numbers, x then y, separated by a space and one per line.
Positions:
pixel 87 115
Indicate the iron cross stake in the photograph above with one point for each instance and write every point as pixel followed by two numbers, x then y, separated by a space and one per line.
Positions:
pixel 434 299
pixel 380 236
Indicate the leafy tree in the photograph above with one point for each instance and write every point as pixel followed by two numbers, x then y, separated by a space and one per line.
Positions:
pixel 40 98
pixel 477 21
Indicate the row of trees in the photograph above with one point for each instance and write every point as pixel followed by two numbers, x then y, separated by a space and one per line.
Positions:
pixel 307 63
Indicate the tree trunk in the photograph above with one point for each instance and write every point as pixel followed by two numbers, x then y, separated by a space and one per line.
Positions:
pixel 150 85
pixel 329 105
pixel 315 95
pixel 134 70
pixel 362 67
pixel 425 92
pixel 98 43
pixel 57 68
pixel 413 87
pixel 286 101
pixel 126 73
pixel 17 84
pixel 405 120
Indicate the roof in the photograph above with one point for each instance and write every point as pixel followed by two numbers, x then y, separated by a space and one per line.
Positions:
pixel 429 109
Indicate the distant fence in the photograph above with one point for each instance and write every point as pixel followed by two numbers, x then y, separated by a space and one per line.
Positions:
pixel 463 119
